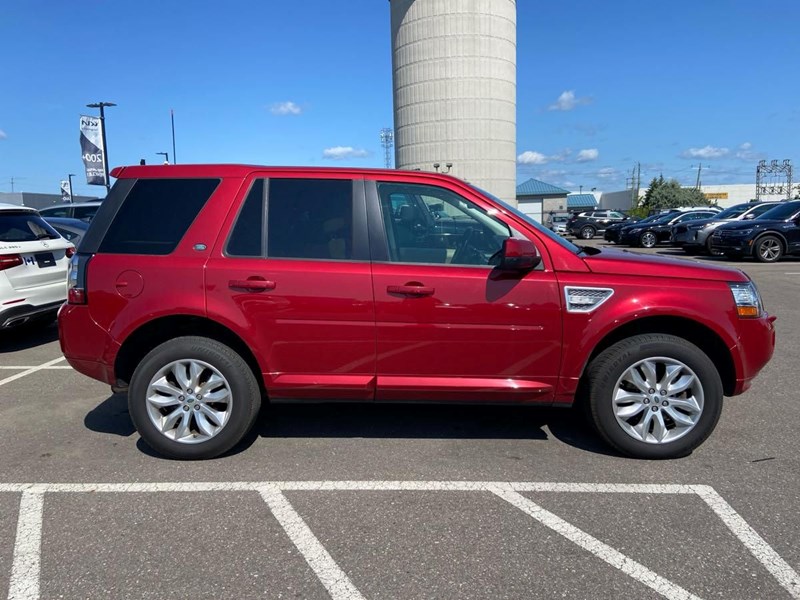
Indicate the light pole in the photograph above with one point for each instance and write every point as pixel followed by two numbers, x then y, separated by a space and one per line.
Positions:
pixel 101 106
pixel 71 198
pixel 165 155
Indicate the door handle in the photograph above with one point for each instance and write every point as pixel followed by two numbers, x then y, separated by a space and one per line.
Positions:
pixel 411 290
pixel 251 285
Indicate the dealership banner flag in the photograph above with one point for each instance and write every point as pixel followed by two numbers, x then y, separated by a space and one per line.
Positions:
pixel 66 193
pixel 92 150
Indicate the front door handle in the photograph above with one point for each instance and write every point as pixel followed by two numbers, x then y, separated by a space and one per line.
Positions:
pixel 253 284
pixel 411 290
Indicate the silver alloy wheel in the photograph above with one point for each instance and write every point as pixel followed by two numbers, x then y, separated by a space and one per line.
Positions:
pixel 587 233
pixel 658 400
pixel 648 239
pixel 189 401
pixel 769 249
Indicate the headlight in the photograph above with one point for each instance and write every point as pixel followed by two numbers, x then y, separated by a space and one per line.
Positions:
pixel 747 300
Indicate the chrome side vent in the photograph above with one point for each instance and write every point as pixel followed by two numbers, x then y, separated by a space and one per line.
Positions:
pixel 586 299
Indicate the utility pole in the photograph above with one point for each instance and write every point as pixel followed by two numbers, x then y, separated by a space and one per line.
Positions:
pixel 172 118
pixel 697 184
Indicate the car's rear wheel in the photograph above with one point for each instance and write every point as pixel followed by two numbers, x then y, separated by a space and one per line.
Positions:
pixel 587 232
pixel 193 398
pixel 654 396
pixel 768 249
pixel 648 239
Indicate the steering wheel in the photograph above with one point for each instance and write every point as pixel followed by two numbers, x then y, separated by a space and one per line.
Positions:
pixel 466 253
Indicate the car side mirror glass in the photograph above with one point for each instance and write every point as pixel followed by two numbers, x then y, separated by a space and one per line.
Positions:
pixel 519 255
pixel 748 217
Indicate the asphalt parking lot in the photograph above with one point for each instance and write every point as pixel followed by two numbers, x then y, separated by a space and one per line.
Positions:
pixel 368 501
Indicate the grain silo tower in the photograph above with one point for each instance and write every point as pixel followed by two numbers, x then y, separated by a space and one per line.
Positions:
pixel 454 65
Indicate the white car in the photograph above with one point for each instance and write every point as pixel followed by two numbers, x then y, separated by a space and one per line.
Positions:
pixel 33 267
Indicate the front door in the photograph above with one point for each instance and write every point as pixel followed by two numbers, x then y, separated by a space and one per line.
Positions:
pixel 450 326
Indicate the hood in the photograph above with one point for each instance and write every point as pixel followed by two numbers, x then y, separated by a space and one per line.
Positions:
pixel 625 262
pixel 750 224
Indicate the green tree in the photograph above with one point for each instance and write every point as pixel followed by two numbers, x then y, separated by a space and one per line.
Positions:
pixel 663 194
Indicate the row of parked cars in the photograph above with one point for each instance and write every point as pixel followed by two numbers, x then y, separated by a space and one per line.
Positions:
pixel 35 249
pixel 766 231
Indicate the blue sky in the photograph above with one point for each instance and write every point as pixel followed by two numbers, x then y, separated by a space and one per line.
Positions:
pixel 600 86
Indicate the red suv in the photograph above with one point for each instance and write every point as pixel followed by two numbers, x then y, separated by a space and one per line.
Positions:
pixel 204 290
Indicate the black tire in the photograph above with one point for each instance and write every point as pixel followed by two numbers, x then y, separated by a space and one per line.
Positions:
pixel 587 232
pixel 691 250
pixel 768 249
pixel 606 370
pixel 244 392
pixel 648 239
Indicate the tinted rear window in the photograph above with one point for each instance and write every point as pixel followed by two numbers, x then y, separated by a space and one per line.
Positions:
pixel 25 227
pixel 156 215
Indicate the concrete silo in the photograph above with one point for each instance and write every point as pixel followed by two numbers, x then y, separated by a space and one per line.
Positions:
pixel 454 65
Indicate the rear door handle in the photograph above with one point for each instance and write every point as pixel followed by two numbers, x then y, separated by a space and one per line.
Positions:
pixel 251 285
pixel 411 290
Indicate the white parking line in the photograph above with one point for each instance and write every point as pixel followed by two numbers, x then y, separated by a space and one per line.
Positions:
pixel 30 370
pixel 27 549
pixel 24 583
pixel 19 367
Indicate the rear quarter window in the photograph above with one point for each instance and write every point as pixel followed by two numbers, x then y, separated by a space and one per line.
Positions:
pixel 156 214
pixel 25 227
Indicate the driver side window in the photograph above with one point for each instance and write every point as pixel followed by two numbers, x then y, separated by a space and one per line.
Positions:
pixel 428 224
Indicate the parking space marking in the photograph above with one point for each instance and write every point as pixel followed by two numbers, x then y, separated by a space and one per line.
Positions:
pixel 18 367
pixel 27 548
pixel 30 371
pixel 591 544
pixel 336 581
pixel 24 582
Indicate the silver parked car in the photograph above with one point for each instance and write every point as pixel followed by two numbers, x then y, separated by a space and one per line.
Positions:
pixel 695 236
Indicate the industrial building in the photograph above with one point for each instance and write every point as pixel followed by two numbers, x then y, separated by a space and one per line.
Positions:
pixel 454 73
pixel 38 201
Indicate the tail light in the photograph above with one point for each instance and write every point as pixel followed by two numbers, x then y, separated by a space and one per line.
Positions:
pixel 70 251
pixel 9 260
pixel 76 278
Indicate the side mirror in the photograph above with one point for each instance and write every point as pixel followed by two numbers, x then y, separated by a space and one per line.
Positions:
pixel 748 217
pixel 519 255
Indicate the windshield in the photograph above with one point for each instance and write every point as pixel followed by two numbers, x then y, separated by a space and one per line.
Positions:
pixel 734 211
pixel 535 224
pixel 780 212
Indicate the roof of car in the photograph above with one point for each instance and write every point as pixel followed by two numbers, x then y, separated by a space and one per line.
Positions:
pixel 76 223
pixel 242 170
pixel 6 206
pixel 78 204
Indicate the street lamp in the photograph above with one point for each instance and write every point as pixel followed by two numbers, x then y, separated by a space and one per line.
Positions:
pixel 165 155
pixel 101 106
pixel 71 198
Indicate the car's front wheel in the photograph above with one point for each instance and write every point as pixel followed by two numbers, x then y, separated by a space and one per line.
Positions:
pixel 587 232
pixel 654 396
pixel 193 398
pixel 768 249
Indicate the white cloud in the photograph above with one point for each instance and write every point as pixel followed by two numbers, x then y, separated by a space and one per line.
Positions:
pixel 588 154
pixel 746 146
pixel 705 152
pixel 285 108
pixel 2 135
pixel 532 158
pixel 607 173
pixel 343 152
pixel 747 154
pixel 568 101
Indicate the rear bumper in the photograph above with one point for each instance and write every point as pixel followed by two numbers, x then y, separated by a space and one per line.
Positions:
pixel 88 348
pixel 21 314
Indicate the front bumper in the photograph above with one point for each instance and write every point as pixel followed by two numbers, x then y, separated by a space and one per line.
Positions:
pixel 755 347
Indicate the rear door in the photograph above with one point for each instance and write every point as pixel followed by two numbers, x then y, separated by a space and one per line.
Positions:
pixel 449 325
pixel 294 277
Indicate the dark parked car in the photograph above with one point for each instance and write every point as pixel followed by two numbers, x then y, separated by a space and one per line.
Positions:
pixel 309 284
pixel 766 238
pixel 695 236
pixel 658 230
pixel 71 230
pixel 588 224
pixel 83 211
pixel 613 231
